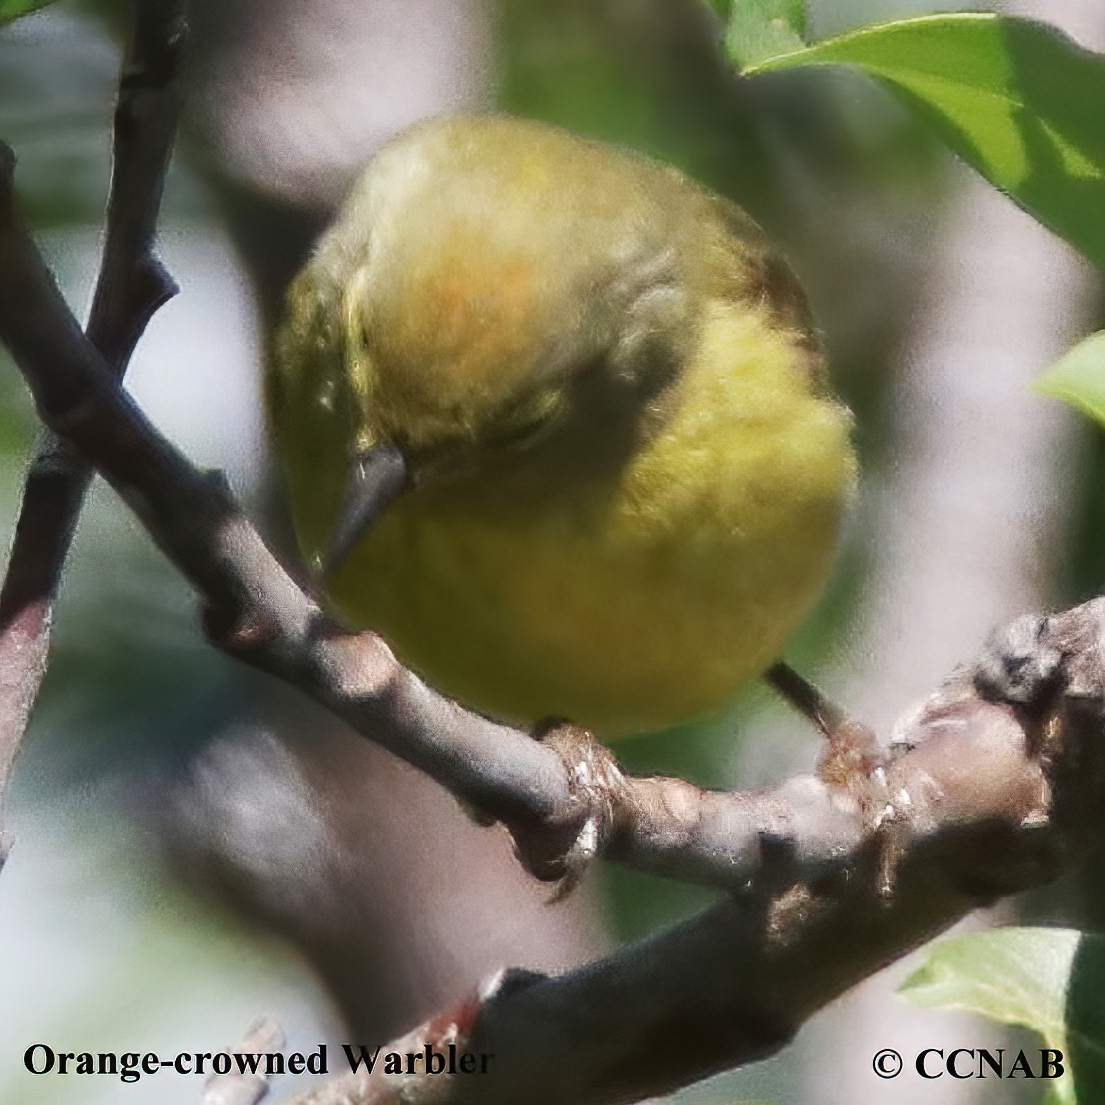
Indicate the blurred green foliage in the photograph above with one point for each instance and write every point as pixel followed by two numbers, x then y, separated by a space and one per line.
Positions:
pixel 57 85
pixel 756 29
pixel 1078 378
pixel 12 9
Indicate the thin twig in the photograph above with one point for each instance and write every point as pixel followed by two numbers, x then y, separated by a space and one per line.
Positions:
pixel 240 1087
pixel 132 285
pixel 436 1044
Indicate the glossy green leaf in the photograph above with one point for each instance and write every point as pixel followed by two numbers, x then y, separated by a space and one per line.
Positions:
pixel 1078 377
pixel 1048 980
pixel 1016 99
pixel 759 29
pixel 13 9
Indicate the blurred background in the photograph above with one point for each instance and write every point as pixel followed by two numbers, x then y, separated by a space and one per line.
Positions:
pixel 194 846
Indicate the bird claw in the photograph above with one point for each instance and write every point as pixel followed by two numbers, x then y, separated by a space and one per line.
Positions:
pixel 576 860
pixel 597 785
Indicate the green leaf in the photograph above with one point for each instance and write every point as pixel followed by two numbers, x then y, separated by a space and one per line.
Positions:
pixel 13 9
pixel 760 29
pixel 1010 975
pixel 1078 377
pixel 1016 99
pixel 1048 980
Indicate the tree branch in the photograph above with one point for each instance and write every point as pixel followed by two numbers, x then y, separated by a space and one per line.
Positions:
pixel 241 1087
pixel 132 286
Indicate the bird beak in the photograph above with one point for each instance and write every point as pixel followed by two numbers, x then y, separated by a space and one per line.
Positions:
pixel 376 476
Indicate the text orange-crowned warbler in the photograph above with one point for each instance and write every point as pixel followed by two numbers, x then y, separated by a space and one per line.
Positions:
pixel 598 385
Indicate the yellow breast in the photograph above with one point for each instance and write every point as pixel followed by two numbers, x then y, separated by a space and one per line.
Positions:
pixel 648 600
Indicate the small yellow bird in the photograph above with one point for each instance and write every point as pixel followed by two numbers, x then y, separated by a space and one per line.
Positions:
pixel 623 470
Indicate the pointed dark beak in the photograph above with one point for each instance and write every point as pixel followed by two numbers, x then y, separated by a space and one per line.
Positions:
pixel 376 477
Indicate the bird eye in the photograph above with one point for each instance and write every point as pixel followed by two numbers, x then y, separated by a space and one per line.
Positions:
pixel 527 421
